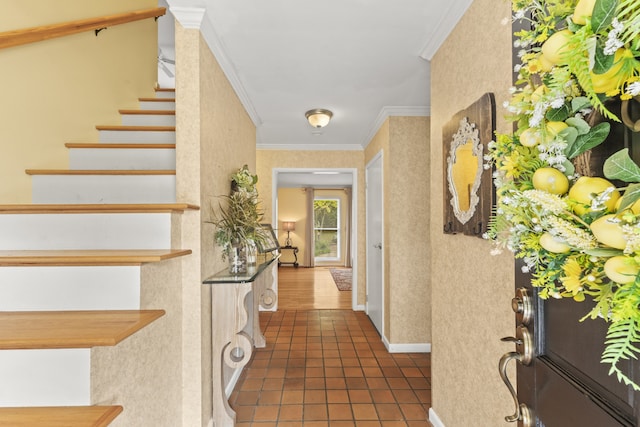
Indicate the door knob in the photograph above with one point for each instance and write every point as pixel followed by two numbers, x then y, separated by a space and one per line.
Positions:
pixel 522 305
pixel 378 246
pixel 523 354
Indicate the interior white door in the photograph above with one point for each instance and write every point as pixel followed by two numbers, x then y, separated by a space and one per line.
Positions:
pixel 375 243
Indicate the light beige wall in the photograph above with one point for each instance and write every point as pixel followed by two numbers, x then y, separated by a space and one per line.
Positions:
pixel 58 90
pixel 292 207
pixel 267 160
pixel 471 289
pixel 404 142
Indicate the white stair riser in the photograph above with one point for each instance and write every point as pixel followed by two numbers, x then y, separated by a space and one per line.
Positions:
pixel 148 119
pixel 70 288
pixel 157 105
pixel 85 231
pixel 45 377
pixel 104 189
pixel 167 137
pixel 122 158
pixel 166 94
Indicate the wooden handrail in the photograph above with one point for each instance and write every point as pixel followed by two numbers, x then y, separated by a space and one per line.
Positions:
pixel 45 32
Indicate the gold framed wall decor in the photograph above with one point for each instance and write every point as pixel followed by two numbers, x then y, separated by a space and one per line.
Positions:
pixel 468 188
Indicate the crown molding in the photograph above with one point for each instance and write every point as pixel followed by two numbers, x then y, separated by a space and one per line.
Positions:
pixel 397 111
pixel 310 147
pixel 456 10
pixel 188 17
pixel 215 44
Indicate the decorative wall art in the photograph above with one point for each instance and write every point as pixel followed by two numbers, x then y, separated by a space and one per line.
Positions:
pixel 468 189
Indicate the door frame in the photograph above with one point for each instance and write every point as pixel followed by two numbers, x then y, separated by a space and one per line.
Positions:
pixel 377 156
pixel 354 218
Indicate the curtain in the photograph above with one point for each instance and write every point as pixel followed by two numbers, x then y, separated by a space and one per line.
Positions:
pixel 309 243
pixel 347 230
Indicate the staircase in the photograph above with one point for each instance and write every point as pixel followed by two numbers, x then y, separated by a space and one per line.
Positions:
pixel 75 277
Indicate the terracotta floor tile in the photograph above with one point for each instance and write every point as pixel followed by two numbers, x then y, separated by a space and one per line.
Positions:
pixel 377 383
pixel 353 361
pixel 315 363
pixel 406 396
pixel 294 384
pixel 424 396
pixel 394 424
pixel 391 371
pixel 412 372
pixel 314 383
pixel 389 411
pixel 314 412
pixel 335 383
pixel 315 396
pixel 382 396
pixel 364 411
pixel 360 396
pixel 418 424
pixel 294 373
pixel 290 413
pixel 275 373
pixel 340 411
pixel 353 371
pixel 419 383
pixel 273 384
pixel 252 384
pixel 333 363
pixel 292 396
pixel 271 397
pixel 285 424
pixel 333 372
pixel 266 413
pixel 356 383
pixel 337 396
pixel 368 361
pixel 245 413
pixel 413 411
pixel 314 372
pixel 247 398
pixel 371 371
pixel 368 424
pixel 315 424
pixel 398 383
pixel 342 423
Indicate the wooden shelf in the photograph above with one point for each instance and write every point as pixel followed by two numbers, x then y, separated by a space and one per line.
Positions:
pixel 97 172
pixel 59 416
pixel 96 208
pixel 117 145
pixel 20 330
pixel 149 112
pixel 88 257
pixel 157 99
pixel 138 128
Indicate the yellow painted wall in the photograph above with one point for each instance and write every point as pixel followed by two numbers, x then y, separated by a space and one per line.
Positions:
pixel 58 90
pixel 471 289
pixel 404 142
pixel 267 160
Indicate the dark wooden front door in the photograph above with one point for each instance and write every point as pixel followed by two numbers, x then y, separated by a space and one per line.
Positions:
pixel 565 385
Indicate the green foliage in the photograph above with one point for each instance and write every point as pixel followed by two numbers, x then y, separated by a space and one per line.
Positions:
pixel 620 166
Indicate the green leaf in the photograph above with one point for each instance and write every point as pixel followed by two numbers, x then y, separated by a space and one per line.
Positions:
pixel 601 62
pixel 596 136
pixel 569 134
pixel 603 252
pixel 620 166
pixel 631 195
pixel 603 13
pixel 569 169
pixel 579 103
pixel 578 123
pixel 558 114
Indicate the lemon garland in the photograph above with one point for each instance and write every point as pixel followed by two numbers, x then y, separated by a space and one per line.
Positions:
pixel 578 236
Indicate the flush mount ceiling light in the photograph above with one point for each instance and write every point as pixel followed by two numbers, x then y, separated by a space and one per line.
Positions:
pixel 319 117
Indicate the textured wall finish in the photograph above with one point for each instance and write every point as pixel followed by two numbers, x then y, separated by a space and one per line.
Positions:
pixel 58 90
pixel 471 290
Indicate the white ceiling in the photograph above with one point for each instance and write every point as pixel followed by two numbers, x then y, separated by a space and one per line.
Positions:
pixel 364 60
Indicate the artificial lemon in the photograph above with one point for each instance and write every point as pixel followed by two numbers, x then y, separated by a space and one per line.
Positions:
pixel 583 10
pixel 530 137
pixel 545 64
pixel 586 186
pixel 556 46
pixel 550 180
pixel 635 208
pixel 621 269
pixel 608 233
pixel 555 128
pixel 553 244
pixel 538 93
pixel 613 78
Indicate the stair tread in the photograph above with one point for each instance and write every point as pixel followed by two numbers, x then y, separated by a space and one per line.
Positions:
pixel 149 112
pixel 97 172
pixel 96 208
pixel 118 145
pixel 165 89
pixel 79 257
pixel 137 128
pixel 59 416
pixel 157 99
pixel 22 330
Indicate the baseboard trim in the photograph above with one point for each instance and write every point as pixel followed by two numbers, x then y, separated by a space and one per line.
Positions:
pixel 406 348
pixel 359 308
pixel 434 419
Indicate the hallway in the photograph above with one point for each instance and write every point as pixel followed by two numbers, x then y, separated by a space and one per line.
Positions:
pixel 328 367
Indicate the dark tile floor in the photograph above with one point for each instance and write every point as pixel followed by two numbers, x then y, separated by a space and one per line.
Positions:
pixel 326 368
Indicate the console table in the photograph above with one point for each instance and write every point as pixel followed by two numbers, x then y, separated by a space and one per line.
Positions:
pixel 295 255
pixel 235 327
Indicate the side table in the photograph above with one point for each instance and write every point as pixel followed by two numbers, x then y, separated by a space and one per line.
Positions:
pixel 295 255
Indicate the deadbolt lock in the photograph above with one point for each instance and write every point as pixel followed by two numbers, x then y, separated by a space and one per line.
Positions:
pixel 522 305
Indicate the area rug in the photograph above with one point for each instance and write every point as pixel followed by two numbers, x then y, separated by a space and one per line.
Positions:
pixel 342 278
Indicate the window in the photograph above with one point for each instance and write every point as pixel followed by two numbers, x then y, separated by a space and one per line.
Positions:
pixel 326 226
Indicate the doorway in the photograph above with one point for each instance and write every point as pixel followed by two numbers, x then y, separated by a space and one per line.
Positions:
pixel 322 178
